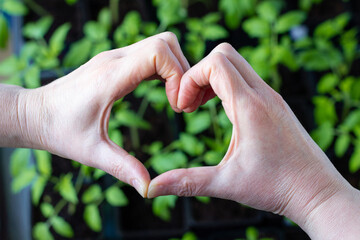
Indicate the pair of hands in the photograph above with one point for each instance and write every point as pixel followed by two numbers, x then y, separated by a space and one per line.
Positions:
pixel 271 164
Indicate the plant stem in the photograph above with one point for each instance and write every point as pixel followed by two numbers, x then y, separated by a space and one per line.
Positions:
pixel 114 8
pixel 276 79
pixel 38 9
pixel 80 179
pixel 214 117
pixel 134 130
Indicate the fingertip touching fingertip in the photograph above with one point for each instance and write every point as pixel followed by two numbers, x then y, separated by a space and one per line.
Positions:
pixel 142 189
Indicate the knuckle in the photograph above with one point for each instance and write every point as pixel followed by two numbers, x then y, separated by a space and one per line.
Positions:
pixel 159 45
pixel 103 55
pixel 225 47
pixel 169 36
pixel 217 59
pixel 187 188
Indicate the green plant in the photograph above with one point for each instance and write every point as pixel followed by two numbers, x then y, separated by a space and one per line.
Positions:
pixel 252 233
pixel 186 236
pixel 9 7
pixel 333 50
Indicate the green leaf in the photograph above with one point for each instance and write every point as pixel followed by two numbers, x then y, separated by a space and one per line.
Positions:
pixel 205 200
pixel 213 157
pixel 43 159
pixel 67 189
pixel 161 206
pixel 168 161
pixel 116 136
pixel 71 2
pixel 14 8
pixel 354 163
pixel 116 197
pixel 19 161
pixel 214 32
pixel 323 135
pixel 170 12
pixel 130 119
pixel 92 194
pixel 104 18
pixel 327 83
pixel 351 120
pixel 47 210
pixel 314 60
pixel 252 233
pixel 332 27
pixel 256 27
pixel 342 144
pixel 268 11
pixel 37 189
pixel 132 23
pixel 9 66
pixel 95 31
pixel 62 227
pixel 324 110
pixel 289 20
pixel 98 174
pixel 235 10
pixel 41 231
pixel 29 51
pixel 191 145
pixel 25 178
pixel 197 122
pixel 195 47
pixel 100 47
pixel 92 217
pixel 56 42
pixel 78 54
pixel 4 32
pixel 37 30
pixel 212 18
pixel 189 236
pixel 32 77
pixel 157 95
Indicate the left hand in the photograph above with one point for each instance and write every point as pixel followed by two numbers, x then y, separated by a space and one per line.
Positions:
pixel 69 117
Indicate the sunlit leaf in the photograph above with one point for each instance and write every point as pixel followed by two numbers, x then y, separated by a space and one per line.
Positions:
pixel 162 206
pixel 62 227
pixel 41 231
pixel 92 194
pixel 92 217
pixel 116 197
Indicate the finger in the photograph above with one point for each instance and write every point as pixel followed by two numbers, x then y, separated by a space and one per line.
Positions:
pixel 170 38
pixel 199 181
pixel 217 72
pixel 242 66
pixel 117 162
pixel 155 58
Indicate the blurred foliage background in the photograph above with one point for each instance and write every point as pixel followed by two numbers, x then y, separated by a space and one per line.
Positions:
pixel 307 50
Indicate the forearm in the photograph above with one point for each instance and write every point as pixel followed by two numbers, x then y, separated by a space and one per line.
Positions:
pixel 17 129
pixel 336 218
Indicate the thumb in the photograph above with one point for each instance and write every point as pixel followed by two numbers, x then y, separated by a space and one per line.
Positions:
pixel 119 163
pixel 200 181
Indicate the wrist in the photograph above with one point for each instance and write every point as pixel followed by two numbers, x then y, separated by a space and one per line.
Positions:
pixel 33 115
pixel 336 218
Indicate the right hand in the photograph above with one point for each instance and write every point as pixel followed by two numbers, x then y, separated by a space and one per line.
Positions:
pixel 272 163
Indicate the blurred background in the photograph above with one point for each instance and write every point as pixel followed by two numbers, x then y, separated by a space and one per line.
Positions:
pixel 307 50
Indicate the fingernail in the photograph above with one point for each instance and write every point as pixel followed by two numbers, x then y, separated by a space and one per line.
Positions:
pixel 152 190
pixel 139 187
pixel 178 110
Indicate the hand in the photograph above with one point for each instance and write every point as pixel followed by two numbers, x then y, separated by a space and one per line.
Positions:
pixel 69 117
pixel 271 164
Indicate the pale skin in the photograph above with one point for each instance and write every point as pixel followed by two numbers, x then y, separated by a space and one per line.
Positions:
pixel 272 163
